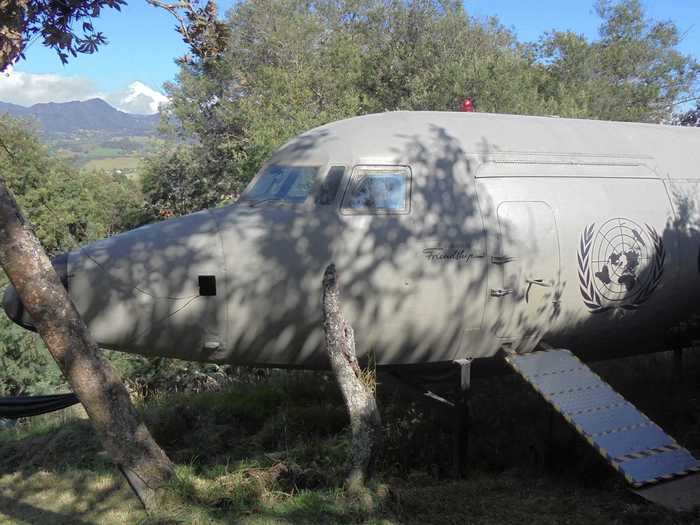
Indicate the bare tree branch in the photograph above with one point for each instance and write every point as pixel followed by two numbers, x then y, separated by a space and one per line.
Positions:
pixel 92 378
pixel 200 27
pixel 365 422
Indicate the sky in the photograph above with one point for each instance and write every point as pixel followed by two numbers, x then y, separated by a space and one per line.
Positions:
pixel 130 71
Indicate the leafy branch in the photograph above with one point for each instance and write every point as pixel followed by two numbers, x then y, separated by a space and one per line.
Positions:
pixel 62 25
pixel 200 28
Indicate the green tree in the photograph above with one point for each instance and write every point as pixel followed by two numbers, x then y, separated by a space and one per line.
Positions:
pixel 93 379
pixel 26 367
pixel 688 118
pixel 632 73
pixel 66 207
pixel 181 181
pixel 291 65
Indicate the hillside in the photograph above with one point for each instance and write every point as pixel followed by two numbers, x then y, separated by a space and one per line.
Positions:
pixel 92 134
pixel 90 115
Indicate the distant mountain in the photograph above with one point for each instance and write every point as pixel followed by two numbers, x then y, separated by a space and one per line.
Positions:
pixel 90 115
pixel 13 109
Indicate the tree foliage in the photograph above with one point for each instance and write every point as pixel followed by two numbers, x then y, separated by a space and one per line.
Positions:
pixel 25 365
pixel 199 27
pixel 291 65
pixel 632 73
pixel 66 207
pixel 54 21
pixel 185 179
pixel 689 118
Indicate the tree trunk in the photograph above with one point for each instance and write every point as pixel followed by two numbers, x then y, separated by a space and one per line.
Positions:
pixel 365 422
pixel 92 378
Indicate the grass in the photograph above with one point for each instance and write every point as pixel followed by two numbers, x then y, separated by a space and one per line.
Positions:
pixel 274 450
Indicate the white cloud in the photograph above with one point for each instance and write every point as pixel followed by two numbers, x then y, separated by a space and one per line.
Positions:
pixel 26 89
pixel 137 98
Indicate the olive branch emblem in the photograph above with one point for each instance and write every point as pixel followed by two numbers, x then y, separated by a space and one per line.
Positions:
pixel 656 272
pixel 591 296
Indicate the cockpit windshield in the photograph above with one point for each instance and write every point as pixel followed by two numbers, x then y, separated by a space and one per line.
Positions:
pixel 283 183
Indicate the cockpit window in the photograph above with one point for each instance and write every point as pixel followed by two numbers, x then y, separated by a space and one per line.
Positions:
pixel 283 183
pixel 379 190
pixel 329 189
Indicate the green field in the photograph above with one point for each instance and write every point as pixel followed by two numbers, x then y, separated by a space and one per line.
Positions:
pixel 274 450
pixel 103 151
pixel 112 164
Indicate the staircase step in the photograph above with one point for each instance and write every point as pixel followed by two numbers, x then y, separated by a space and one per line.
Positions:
pixel 628 440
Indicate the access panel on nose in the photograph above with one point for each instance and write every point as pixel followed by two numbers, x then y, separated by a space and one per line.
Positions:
pixel 154 290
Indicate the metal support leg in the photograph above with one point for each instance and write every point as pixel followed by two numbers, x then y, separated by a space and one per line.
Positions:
pixel 677 388
pixel 548 459
pixel 463 416
pixel 678 366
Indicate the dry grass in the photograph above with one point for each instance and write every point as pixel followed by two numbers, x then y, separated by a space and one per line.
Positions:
pixel 274 451
pixel 368 374
pixel 73 496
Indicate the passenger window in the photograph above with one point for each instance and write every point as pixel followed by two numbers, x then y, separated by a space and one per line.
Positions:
pixel 379 190
pixel 329 188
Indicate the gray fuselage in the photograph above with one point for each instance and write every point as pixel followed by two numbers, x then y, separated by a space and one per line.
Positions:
pixel 455 235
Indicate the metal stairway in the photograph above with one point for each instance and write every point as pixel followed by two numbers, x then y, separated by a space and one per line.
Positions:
pixel 649 459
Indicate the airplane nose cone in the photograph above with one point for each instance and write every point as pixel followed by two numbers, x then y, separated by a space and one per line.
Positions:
pixel 14 309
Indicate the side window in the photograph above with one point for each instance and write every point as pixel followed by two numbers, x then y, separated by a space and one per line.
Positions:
pixel 379 190
pixel 329 188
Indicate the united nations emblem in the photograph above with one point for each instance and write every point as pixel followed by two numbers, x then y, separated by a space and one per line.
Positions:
pixel 619 265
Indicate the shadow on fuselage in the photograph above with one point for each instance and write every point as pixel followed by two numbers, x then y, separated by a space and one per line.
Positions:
pixel 268 260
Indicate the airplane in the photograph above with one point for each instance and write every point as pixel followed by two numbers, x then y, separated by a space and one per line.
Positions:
pixel 458 237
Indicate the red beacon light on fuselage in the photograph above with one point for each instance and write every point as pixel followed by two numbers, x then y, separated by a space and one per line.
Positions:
pixel 467 105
